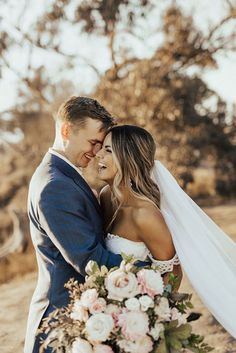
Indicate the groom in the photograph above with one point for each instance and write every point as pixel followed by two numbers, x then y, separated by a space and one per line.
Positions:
pixel 65 219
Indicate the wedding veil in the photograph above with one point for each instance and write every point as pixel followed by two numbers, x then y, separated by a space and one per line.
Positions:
pixel 206 253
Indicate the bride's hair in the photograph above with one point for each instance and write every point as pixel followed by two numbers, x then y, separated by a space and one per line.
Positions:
pixel 134 153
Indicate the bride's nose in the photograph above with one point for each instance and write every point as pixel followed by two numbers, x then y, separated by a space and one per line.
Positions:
pixel 99 154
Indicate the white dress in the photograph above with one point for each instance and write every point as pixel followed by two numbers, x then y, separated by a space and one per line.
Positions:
pixel 117 245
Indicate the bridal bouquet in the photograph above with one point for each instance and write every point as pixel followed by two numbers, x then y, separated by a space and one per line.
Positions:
pixel 124 310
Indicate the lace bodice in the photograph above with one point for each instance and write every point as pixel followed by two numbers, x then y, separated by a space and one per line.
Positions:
pixel 118 244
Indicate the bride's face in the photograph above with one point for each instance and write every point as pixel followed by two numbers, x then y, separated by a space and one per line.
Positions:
pixel 106 167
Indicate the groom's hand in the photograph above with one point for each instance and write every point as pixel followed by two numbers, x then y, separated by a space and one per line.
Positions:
pixel 142 263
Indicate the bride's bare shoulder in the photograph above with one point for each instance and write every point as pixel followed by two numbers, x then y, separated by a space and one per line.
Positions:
pixel 148 218
pixel 145 210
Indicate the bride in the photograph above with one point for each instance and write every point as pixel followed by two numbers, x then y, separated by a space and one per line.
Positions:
pixel 148 215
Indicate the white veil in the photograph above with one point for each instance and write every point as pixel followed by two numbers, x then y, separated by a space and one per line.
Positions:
pixel 206 253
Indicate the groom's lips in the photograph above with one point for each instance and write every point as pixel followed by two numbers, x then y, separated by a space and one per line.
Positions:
pixel 88 157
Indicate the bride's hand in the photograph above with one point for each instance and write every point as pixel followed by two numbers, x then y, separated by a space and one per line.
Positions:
pixel 177 271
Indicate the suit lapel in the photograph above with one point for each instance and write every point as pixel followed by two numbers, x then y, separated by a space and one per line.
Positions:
pixel 68 170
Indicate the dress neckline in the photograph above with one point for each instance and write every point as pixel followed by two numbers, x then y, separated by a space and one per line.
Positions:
pixel 116 236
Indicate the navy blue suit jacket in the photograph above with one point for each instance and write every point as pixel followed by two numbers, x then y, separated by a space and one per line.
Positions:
pixel 67 231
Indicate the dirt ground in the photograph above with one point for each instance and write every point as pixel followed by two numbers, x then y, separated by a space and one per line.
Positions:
pixel 15 298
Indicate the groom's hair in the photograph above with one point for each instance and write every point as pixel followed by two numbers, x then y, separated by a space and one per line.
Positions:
pixel 77 110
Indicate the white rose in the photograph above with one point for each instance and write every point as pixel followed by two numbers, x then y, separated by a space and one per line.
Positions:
pixel 163 310
pixel 98 327
pixel 156 330
pixel 146 302
pixel 81 346
pixel 132 304
pixel 121 285
pixel 79 312
pixel 150 282
pixel 134 324
pixel 88 297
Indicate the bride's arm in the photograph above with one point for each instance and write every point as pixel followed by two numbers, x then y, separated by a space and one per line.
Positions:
pixel 154 232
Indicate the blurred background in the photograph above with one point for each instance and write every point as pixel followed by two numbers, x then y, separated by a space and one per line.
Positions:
pixel 169 66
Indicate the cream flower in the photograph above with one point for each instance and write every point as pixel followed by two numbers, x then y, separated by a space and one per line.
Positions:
pixel 98 306
pixel 121 285
pixel 102 348
pixel 112 309
pixel 134 324
pixel 98 327
pixel 89 267
pixel 143 345
pixel 163 310
pixel 81 346
pixel 132 304
pixel 156 330
pixel 150 282
pixel 146 302
pixel 88 297
pixel 79 312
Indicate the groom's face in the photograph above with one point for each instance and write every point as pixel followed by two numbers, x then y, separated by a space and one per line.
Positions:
pixel 82 142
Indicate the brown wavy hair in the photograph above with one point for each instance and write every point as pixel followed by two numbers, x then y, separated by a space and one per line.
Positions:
pixel 133 151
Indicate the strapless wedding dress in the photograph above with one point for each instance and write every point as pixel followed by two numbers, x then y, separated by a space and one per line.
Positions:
pixel 117 245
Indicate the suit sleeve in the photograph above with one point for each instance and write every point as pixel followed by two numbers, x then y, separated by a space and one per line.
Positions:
pixel 63 217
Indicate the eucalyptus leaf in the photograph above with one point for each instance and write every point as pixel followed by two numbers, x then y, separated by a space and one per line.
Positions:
pixel 161 348
pixel 182 332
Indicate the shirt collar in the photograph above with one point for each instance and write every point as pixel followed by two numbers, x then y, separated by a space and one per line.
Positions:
pixel 55 153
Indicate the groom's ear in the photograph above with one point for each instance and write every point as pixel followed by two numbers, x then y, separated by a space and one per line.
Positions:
pixel 65 130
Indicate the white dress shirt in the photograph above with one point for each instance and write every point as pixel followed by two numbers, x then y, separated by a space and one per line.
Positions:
pixel 55 153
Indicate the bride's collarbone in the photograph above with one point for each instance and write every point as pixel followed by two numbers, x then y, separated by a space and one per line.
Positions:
pixel 124 225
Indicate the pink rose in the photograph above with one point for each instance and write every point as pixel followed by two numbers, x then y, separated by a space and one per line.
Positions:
pixel 102 348
pixel 176 315
pixel 114 311
pixel 134 324
pixel 98 306
pixel 150 282
pixel 121 285
pixel 143 345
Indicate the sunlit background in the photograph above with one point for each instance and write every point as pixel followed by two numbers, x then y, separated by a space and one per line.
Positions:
pixel 169 66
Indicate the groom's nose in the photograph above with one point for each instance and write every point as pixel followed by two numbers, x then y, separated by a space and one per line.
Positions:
pixel 97 149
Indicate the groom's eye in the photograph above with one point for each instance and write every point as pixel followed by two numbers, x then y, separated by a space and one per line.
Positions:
pixel 94 143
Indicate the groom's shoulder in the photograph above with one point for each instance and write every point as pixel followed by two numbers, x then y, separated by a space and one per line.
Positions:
pixel 47 178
